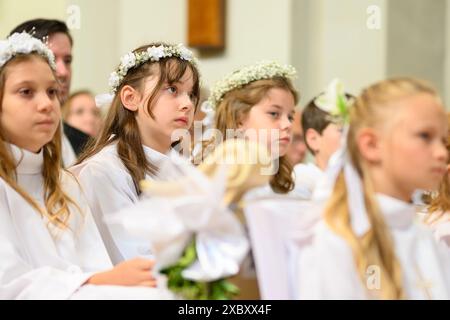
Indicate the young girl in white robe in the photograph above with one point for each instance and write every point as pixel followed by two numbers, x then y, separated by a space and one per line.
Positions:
pixel 50 247
pixel 257 103
pixel 156 92
pixel 368 245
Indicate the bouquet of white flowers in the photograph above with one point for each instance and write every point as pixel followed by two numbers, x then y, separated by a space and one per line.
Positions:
pixel 196 239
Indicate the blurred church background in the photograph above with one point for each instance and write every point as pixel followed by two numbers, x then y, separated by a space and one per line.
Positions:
pixel 359 41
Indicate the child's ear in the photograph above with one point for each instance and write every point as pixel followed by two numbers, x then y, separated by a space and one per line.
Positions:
pixel 130 98
pixel 312 138
pixel 369 145
pixel 242 122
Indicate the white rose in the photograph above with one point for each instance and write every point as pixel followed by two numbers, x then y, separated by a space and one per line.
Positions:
pixel 128 61
pixel 185 54
pixel 5 52
pixel 114 80
pixel 156 52
pixel 23 43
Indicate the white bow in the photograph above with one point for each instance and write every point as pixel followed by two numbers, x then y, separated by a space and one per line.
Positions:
pixel 104 99
pixel 355 193
pixel 190 207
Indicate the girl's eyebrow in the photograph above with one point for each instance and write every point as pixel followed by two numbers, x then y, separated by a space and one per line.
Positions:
pixel 31 82
pixel 276 106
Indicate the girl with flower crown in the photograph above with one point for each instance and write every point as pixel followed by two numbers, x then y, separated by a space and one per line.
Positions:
pixel 156 90
pixel 50 246
pixel 257 102
pixel 367 245
pixel 254 108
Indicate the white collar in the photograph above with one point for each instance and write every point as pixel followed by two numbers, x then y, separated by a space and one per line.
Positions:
pixel 397 213
pixel 154 156
pixel 27 162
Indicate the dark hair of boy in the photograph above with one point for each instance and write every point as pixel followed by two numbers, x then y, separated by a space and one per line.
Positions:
pixel 315 118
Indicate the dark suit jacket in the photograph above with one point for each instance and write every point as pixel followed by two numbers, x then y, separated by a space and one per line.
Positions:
pixel 77 138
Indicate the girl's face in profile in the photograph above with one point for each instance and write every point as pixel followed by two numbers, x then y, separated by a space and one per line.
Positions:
pixel 413 152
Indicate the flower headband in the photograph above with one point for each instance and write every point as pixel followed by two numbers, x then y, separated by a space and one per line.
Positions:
pixel 241 77
pixel 134 59
pixel 24 43
pixel 334 101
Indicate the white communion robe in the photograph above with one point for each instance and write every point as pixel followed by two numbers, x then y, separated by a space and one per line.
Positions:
pixel 306 178
pixel 439 224
pixel 40 261
pixel 326 268
pixel 109 188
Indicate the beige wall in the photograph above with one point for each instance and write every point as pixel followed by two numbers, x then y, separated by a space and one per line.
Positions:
pixel 416 40
pixel 322 38
pixel 331 39
pixel 447 56
pixel 13 12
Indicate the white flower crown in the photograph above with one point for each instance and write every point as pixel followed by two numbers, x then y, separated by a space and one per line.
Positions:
pixel 243 76
pixel 134 59
pixel 24 43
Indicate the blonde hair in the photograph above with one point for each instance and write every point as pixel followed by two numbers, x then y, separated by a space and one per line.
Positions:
pixel 237 103
pixel 440 204
pixel 376 247
pixel 66 107
pixel 120 124
pixel 56 200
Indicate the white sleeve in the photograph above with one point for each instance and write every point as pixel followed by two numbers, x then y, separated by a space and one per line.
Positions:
pixel 108 192
pixel 91 252
pixel 326 268
pixel 19 280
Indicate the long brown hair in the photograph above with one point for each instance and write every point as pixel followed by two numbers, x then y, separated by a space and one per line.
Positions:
pixel 56 200
pixel 235 106
pixel 376 247
pixel 121 126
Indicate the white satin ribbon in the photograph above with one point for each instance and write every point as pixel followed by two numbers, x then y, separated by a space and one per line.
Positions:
pixel 355 192
pixel 104 99
pixel 170 221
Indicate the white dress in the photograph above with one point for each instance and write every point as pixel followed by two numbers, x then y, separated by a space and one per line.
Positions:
pixel 42 262
pixel 439 224
pixel 274 222
pixel 326 268
pixel 306 178
pixel 109 188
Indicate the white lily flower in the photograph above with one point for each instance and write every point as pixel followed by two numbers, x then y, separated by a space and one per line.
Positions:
pixel 328 101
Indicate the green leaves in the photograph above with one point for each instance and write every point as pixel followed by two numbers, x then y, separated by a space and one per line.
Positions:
pixel 192 290
pixel 343 108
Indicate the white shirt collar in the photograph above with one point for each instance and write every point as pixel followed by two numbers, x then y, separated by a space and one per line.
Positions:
pixel 154 156
pixel 397 213
pixel 27 161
